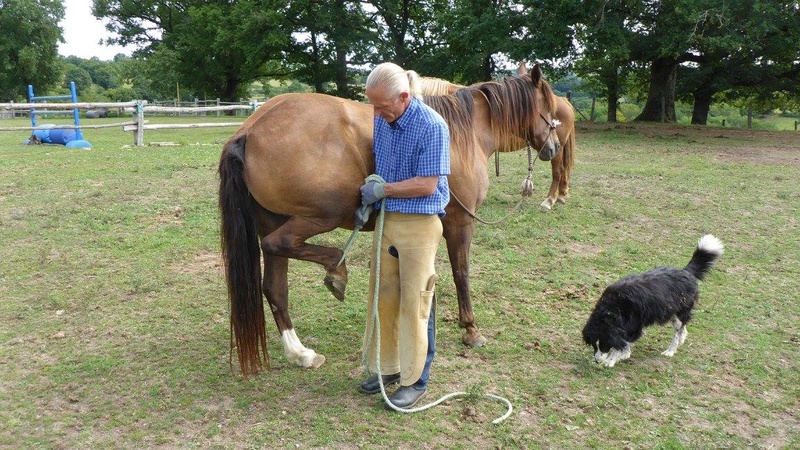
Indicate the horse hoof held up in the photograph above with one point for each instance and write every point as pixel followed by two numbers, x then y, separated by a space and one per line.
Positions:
pixel 336 285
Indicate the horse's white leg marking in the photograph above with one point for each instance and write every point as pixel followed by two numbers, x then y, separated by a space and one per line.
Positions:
pixel 677 338
pixel 297 353
pixel 547 204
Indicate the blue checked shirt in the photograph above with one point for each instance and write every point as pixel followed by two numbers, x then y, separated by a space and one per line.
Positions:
pixel 416 144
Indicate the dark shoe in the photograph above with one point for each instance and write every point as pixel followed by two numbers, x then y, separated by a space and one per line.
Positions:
pixel 405 397
pixel 372 386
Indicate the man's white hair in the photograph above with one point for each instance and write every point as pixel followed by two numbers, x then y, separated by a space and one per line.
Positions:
pixel 395 80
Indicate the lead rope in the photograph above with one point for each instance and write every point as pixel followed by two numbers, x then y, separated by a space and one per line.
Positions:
pixel 526 191
pixel 374 329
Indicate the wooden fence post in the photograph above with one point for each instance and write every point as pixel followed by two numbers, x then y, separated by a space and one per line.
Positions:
pixel 139 136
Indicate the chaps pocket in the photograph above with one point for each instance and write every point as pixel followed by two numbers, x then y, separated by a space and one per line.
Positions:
pixel 426 298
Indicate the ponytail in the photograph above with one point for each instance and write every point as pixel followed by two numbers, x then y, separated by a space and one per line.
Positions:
pixel 414 84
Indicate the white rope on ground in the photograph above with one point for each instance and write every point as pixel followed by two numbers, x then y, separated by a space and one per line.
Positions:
pixel 374 328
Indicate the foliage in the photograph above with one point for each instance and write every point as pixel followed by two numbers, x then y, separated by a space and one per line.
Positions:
pixel 473 33
pixel 328 39
pixel 217 36
pixel 658 54
pixel 29 46
pixel 719 46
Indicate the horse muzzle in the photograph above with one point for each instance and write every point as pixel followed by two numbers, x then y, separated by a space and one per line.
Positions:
pixel 549 150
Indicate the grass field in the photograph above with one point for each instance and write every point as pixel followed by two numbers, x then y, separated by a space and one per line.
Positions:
pixel 114 323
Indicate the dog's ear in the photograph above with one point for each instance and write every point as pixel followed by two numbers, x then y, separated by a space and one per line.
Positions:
pixel 587 336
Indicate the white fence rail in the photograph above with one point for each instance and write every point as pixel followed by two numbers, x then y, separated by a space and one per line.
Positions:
pixel 138 108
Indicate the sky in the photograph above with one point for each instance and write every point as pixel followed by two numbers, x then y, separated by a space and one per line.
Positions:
pixel 82 33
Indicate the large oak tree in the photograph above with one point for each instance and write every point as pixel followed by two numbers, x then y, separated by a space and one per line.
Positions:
pixel 29 46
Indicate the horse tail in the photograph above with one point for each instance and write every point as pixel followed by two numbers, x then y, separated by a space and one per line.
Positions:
pixel 240 253
pixel 569 153
pixel 568 149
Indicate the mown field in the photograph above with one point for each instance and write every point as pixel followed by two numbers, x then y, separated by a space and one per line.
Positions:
pixel 114 323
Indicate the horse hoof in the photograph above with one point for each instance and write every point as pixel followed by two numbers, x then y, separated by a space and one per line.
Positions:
pixel 474 340
pixel 336 286
pixel 316 362
pixel 545 205
pixel 562 200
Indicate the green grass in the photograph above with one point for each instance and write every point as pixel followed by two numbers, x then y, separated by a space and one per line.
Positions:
pixel 114 323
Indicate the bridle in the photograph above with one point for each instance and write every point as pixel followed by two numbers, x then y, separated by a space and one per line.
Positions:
pixel 552 123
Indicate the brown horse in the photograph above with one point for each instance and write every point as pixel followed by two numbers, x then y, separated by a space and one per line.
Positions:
pixel 294 168
pixel 561 165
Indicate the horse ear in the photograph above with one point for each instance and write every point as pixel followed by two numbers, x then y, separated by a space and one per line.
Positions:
pixel 536 74
pixel 522 69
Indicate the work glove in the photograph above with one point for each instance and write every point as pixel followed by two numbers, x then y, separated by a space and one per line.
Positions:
pixel 361 216
pixel 371 192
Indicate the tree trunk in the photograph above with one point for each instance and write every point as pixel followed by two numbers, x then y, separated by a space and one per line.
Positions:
pixel 487 68
pixel 340 46
pixel 660 104
pixel 702 104
pixel 230 91
pixel 612 87
pixel 342 89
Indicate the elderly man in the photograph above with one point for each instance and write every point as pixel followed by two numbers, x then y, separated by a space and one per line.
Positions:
pixel 412 154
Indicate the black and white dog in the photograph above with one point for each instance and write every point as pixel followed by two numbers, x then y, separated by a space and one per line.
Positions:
pixel 638 301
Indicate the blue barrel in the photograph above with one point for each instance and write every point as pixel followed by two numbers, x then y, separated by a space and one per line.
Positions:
pixel 43 132
pixel 62 136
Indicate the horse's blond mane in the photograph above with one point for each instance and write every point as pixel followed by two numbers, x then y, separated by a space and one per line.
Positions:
pixel 437 86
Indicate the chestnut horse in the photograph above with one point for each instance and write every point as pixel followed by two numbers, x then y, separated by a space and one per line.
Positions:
pixel 293 171
pixel 560 166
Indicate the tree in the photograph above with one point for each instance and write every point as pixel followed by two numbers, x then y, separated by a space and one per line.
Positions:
pixel 474 35
pixel 101 73
pixel 81 77
pixel 606 56
pixel 328 39
pixel 720 46
pixel 29 46
pixel 406 29
pixel 233 43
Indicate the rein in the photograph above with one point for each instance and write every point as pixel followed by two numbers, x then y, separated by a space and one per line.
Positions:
pixel 525 183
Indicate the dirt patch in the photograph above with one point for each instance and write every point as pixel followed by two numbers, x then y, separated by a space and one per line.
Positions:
pixel 584 249
pixel 202 263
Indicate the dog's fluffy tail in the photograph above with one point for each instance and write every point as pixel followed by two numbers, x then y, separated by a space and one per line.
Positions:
pixel 708 250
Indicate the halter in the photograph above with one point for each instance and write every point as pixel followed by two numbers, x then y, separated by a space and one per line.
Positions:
pixel 552 123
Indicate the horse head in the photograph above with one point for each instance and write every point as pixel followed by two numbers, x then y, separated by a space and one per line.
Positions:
pixel 542 131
